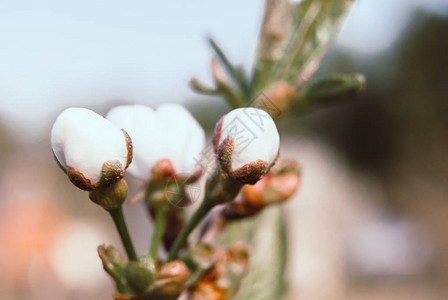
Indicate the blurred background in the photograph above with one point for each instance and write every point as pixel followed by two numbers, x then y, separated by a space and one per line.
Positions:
pixel 371 221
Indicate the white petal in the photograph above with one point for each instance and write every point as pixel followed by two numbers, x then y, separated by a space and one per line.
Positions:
pixel 170 132
pixel 254 133
pixel 84 140
pixel 140 123
pixel 184 138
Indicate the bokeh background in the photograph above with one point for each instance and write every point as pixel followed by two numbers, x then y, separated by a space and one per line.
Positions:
pixel 371 220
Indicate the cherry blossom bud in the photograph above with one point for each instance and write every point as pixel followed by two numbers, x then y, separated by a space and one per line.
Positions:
pixel 280 96
pixel 169 133
pixel 114 265
pixel 138 276
pixel 247 144
pixel 90 149
pixel 170 281
pixel 223 278
pixel 276 187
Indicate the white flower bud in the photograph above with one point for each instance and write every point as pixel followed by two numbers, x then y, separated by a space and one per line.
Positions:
pixel 247 143
pixel 168 133
pixel 92 150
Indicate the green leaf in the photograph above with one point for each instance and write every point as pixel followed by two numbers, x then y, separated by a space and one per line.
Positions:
pixel 201 88
pixel 266 235
pixel 236 73
pixel 294 38
pixel 225 87
pixel 332 88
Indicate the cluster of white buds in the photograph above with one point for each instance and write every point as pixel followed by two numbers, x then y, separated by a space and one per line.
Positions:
pixel 95 151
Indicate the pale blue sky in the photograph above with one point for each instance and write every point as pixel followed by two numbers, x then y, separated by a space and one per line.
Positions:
pixel 56 53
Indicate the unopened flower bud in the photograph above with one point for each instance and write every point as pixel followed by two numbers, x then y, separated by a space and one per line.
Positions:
pixel 223 279
pixel 278 97
pixel 168 186
pixel 125 297
pixel 177 272
pixel 138 277
pixel 114 265
pixel 276 187
pixel 247 143
pixel 90 149
pixel 169 134
pixel 170 281
pixel 110 197
pixel 162 171
pixel 113 261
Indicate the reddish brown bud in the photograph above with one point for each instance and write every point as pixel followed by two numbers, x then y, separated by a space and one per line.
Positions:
pixel 280 94
pixel 170 281
pixel 275 187
pixel 223 279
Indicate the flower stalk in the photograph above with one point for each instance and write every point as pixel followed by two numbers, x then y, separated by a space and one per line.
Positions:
pixel 159 229
pixel 216 193
pixel 122 228
pixel 198 215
